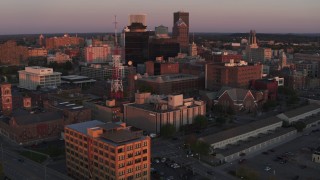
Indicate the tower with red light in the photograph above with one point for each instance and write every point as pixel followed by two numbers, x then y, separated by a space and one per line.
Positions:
pixel 116 81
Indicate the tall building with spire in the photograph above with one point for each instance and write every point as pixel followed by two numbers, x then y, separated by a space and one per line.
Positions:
pixel 253 39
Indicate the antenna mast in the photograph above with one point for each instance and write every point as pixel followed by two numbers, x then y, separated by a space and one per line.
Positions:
pixel 115 31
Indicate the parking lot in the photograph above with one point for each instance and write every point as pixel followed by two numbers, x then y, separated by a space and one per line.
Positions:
pixel 288 161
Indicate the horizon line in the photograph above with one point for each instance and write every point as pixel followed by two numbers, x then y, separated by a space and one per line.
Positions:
pixel 280 33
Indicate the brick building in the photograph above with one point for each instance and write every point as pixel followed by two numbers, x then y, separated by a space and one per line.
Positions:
pixel 270 85
pixel 64 41
pixel 231 74
pixel 168 84
pixel 97 54
pixel 12 54
pixel 37 52
pixel 111 151
pixel 24 127
pixel 225 57
pixel 161 68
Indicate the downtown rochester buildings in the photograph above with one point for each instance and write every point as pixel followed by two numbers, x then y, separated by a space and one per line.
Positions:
pixel 110 151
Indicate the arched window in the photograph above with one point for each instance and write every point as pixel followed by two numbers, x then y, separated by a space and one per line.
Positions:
pixel 6 92
pixel 8 100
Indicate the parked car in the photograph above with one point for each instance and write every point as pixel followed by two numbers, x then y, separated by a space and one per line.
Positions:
pixel 267 168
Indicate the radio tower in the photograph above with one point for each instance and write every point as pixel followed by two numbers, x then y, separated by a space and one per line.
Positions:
pixel 116 82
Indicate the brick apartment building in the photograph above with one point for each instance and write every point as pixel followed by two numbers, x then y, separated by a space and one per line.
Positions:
pixel 231 74
pixel 66 40
pixel 12 54
pixel 110 151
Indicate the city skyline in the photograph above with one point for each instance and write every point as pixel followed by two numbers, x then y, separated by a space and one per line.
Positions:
pixel 35 16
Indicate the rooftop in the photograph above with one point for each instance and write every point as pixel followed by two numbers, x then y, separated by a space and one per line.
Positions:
pixel 230 133
pixel 254 141
pixel 301 110
pixel 113 133
pixel 37 118
pixel 168 78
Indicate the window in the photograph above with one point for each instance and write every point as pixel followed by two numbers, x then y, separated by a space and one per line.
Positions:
pixel 138 145
pixel 145 158
pixel 120 150
pixel 145 143
pixel 129 148
pixel 145 151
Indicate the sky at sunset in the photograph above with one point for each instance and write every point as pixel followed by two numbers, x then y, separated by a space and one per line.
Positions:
pixel 78 16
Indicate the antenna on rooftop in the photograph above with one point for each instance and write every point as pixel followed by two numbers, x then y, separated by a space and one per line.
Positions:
pixel 115 30
pixel 193 37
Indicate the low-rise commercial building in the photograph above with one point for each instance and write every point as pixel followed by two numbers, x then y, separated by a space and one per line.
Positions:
pixel 106 111
pixel 241 133
pixel 113 151
pixel 81 81
pixel 299 113
pixel 151 112
pixel 261 142
pixel 316 155
pixel 34 76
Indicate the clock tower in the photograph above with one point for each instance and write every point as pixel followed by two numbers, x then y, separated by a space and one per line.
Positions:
pixel 6 98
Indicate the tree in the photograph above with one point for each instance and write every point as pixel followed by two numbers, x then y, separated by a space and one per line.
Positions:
pixel 191 139
pixel 221 120
pixel 201 121
pixel 1 171
pixel 285 124
pixel 200 147
pixel 269 104
pixel 167 130
pixel 299 126
pixel 68 65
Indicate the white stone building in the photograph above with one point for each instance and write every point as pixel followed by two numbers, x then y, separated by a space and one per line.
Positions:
pixel 34 76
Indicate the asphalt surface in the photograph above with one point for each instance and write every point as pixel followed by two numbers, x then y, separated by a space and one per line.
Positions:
pixel 298 163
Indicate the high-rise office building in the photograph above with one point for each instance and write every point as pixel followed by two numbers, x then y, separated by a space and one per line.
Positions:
pixel 180 29
pixel 111 151
pixel 180 32
pixel 181 15
pixel 137 43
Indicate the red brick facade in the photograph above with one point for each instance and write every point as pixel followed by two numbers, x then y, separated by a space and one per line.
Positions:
pixel 218 75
